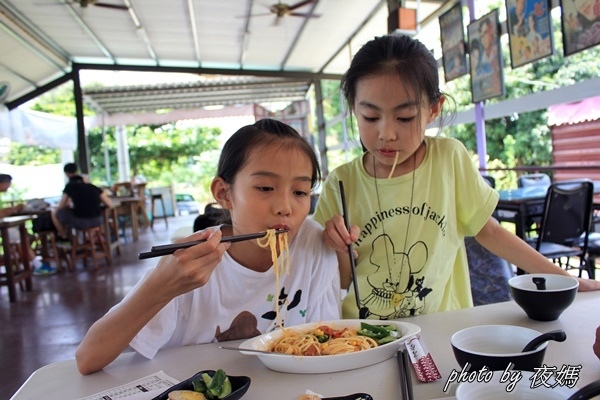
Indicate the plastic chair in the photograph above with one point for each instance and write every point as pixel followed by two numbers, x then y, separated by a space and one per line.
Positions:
pixel 490 180
pixel 566 222
pixel 593 252
pixel 534 180
pixel 492 183
pixel 489 274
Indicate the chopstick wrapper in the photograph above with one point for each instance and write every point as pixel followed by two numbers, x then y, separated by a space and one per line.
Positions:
pixel 421 360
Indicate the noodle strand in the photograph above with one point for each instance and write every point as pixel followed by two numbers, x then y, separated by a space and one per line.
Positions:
pixel 271 240
pixel 394 166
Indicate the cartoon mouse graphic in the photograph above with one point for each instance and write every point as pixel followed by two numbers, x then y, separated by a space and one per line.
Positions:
pixel 396 291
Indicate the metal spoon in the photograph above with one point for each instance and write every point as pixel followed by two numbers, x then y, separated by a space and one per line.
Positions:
pixel 558 335
pixel 252 350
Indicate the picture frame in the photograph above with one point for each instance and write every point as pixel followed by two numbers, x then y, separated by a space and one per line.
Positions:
pixel 485 57
pixel 452 34
pixel 530 32
pixel 580 26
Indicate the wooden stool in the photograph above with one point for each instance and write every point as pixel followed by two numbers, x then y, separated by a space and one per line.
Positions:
pixel 47 248
pixel 86 243
pixel 140 191
pixel 110 219
pixel 155 198
pixel 16 266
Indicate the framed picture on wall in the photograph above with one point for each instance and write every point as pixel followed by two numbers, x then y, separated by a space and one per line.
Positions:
pixel 454 55
pixel 580 22
pixel 485 58
pixel 529 31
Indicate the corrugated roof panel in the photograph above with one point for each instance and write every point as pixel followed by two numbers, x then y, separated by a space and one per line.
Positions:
pixel 574 113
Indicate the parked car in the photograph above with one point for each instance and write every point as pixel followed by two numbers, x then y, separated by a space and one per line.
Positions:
pixel 186 204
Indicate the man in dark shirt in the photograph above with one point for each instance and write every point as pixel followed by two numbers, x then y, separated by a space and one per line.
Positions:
pixel 79 207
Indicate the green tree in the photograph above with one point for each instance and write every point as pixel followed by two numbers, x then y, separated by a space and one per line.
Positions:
pixel 20 154
pixel 163 154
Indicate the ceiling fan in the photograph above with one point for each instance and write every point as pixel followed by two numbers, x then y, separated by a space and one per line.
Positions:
pixel 85 3
pixel 281 10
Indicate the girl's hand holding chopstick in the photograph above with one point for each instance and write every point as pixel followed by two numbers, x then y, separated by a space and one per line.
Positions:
pixel 340 239
pixel 191 267
pixel 337 236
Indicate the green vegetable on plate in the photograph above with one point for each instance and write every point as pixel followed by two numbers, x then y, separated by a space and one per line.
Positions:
pixel 382 334
pixel 217 386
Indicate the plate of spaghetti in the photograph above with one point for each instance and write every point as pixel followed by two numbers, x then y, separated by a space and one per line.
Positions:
pixel 330 346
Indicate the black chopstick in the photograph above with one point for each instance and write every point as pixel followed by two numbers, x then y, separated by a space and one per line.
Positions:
pixel 361 311
pixel 408 368
pixel 165 249
pixel 404 365
pixel 403 384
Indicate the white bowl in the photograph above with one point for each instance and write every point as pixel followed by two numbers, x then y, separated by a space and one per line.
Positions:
pixel 496 390
pixel 330 363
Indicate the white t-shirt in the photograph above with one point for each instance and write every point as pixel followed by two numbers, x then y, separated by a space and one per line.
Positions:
pixel 239 303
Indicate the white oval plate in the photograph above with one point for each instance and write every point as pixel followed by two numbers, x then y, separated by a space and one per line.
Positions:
pixel 331 363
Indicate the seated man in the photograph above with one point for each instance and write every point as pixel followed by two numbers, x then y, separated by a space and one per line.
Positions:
pixel 5 182
pixel 39 267
pixel 79 207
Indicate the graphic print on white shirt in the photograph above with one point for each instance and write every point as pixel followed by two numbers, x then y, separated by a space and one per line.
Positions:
pixel 245 324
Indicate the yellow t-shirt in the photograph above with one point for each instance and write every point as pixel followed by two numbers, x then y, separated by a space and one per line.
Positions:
pixel 426 270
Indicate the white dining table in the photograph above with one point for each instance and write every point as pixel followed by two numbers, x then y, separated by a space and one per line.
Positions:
pixel 61 380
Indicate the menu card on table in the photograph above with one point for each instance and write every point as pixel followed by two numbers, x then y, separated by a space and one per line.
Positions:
pixel 144 388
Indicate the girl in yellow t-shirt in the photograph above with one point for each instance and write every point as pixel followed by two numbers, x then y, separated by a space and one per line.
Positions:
pixel 411 198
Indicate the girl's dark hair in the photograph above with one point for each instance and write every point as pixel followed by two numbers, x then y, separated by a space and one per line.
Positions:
pixel 238 147
pixel 408 57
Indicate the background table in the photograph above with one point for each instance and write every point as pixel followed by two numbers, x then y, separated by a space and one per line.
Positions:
pixel 519 206
pixel 62 381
